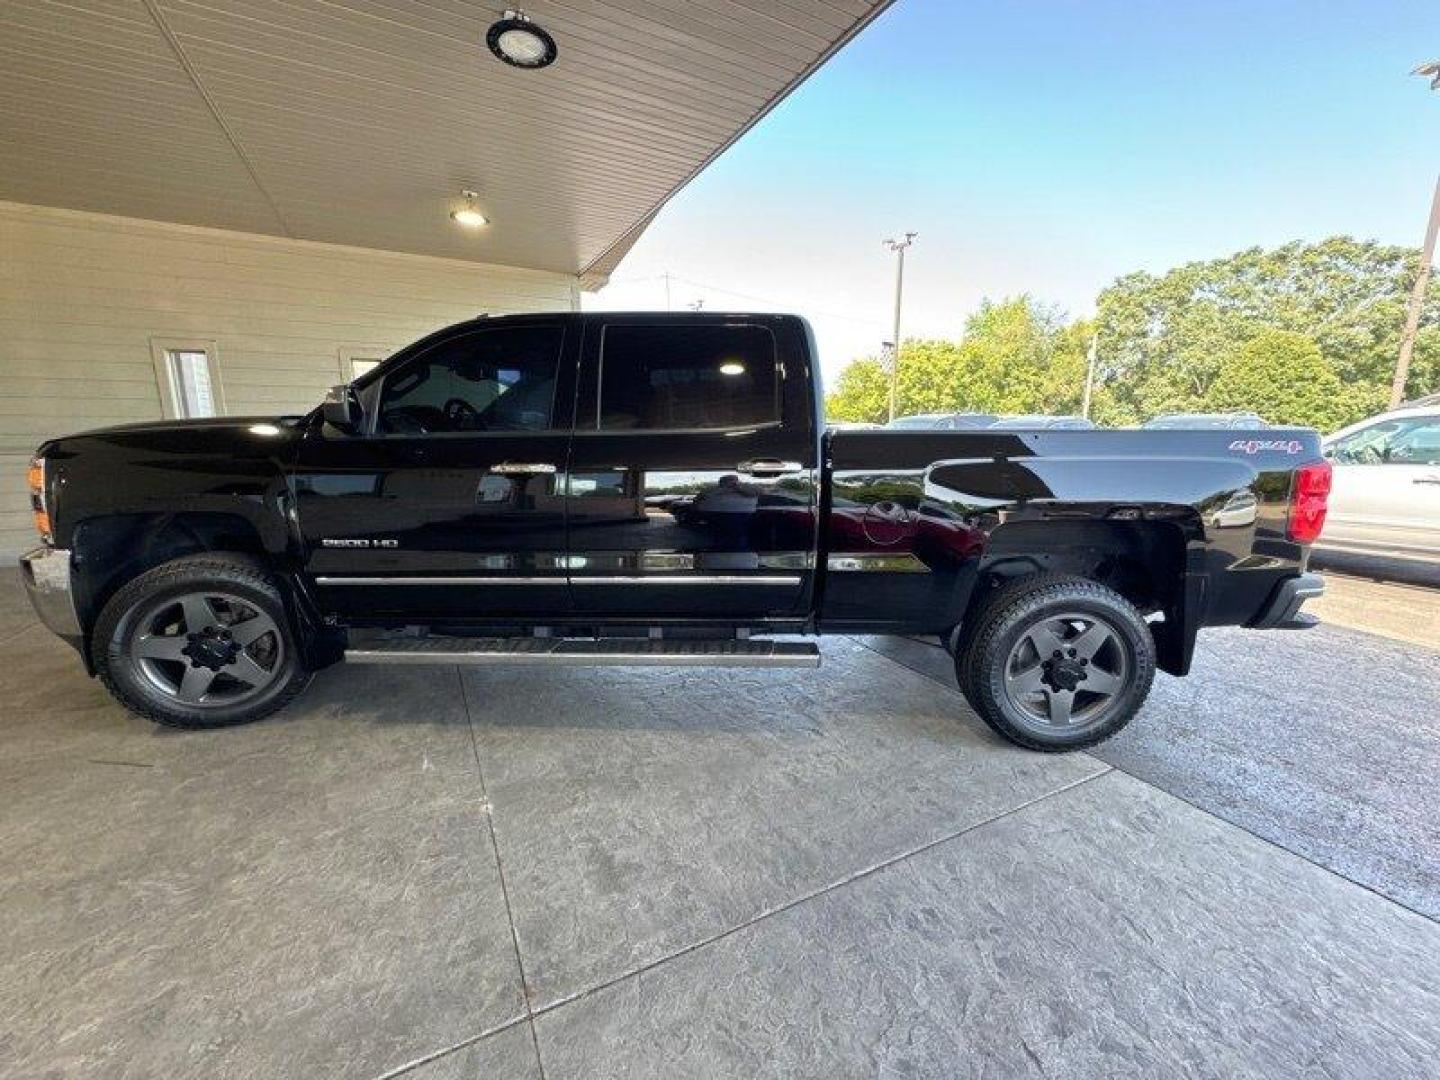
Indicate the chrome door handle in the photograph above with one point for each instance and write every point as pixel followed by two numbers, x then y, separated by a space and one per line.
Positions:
pixel 511 468
pixel 768 467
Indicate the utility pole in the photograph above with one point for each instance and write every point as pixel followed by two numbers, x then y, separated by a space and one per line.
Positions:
pixel 898 246
pixel 667 292
pixel 1089 374
pixel 1417 303
pixel 1422 280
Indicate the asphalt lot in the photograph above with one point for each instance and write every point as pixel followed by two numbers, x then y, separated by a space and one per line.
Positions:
pixel 1380 605
pixel 435 873
pixel 1324 741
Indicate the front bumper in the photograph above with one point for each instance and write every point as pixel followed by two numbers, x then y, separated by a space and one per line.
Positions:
pixel 49 583
pixel 1282 610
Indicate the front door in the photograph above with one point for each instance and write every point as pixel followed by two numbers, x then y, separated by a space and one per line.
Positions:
pixel 691 485
pixel 447 508
pixel 1386 492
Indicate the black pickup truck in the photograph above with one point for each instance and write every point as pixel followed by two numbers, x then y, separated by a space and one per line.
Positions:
pixel 655 489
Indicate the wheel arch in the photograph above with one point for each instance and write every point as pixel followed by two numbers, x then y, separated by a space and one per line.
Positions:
pixel 111 550
pixel 1143 561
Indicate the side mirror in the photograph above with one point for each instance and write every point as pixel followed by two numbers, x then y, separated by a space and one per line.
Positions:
pixel 341 409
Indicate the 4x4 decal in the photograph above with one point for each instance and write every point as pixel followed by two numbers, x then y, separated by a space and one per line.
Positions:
pixel 1254 446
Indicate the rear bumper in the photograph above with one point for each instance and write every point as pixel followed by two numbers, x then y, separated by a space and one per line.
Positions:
pixel 46 572
pixel 1282 610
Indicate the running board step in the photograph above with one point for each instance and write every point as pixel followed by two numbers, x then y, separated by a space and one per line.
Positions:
pixel 596 653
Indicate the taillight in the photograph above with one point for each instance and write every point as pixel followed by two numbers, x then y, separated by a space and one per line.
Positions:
pixel 1308 502
pixel 35 476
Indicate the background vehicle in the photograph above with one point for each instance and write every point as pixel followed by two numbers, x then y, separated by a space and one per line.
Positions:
pixel 942 421
pixel 1194 421
pixel 654 489
pixel 1035 421
pixel 1386 497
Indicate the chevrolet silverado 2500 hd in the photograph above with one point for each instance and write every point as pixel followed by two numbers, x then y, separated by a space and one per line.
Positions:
pixel 655 489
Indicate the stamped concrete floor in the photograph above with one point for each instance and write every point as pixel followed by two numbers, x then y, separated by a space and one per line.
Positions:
pixel 576 873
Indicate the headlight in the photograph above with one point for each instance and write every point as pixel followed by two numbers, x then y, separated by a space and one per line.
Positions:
pixel 36 477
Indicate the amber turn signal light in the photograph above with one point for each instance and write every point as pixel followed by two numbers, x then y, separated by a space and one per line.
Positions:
pixel 35 478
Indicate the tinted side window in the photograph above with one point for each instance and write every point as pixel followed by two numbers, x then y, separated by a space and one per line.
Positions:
pixel 669 377
pixel 1392 442
pixel 490 380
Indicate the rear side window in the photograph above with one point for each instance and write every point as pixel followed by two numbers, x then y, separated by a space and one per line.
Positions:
pixel 490 380
pixel 687 378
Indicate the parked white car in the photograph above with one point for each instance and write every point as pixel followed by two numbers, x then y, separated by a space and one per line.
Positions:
pixel 1386 494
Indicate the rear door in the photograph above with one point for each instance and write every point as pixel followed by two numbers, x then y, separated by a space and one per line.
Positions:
pixel 448 507
pixel 691 490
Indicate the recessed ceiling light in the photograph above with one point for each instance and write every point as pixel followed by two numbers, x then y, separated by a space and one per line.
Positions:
pixel 520 43
pixel 732 367
pixel 469 215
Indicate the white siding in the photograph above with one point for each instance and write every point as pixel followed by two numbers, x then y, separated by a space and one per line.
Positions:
pixel 83 295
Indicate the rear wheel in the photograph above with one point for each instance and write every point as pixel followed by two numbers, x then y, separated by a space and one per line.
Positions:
pixel 1057 663
pixel 202 641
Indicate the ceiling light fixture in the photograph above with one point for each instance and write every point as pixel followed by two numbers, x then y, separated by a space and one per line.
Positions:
pixel 469 215
pixel 520 43
pixel 732 367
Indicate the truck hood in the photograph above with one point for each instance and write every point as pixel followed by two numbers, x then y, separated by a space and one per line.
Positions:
pixel 244 434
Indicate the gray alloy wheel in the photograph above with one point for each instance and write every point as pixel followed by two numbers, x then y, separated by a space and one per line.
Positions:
pixel 1066 672
pixel 1055 662
pixel 202 641
pixel 208 649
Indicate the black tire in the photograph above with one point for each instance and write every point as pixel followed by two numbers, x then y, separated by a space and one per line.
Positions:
pixel 1089 680
pixel 244 663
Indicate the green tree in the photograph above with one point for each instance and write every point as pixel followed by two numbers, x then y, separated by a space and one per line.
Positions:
pixel 1164 337
pixel 861 394
pixel 1015 356
pixel 1281 375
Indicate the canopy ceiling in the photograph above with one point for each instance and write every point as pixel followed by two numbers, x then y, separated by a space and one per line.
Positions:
pixel 361 121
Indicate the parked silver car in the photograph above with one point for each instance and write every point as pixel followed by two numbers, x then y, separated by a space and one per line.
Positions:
pixel 1386 494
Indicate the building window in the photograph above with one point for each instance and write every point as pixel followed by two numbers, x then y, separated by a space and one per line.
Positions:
pixel 357 360
pixel 190 382
pixel 189 378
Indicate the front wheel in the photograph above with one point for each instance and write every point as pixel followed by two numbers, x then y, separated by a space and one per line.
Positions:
pixel 203 641
pixel 1057 663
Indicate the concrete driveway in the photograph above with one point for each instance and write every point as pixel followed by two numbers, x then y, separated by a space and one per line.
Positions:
pixel 698 873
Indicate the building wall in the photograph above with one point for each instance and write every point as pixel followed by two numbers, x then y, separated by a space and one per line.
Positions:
pixel 85 299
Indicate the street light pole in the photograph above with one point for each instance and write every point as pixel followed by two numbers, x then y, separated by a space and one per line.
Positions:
pixel 1417 303
pixel 897 246
pixel 1089 374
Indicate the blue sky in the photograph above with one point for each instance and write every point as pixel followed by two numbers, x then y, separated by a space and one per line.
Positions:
pixel 1047 147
